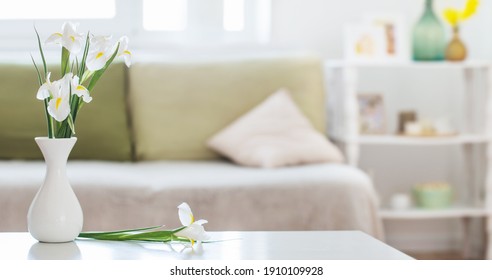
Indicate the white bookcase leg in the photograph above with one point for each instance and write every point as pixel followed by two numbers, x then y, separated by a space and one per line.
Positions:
pixel 466 237
pixel 488 180
pixel 351 115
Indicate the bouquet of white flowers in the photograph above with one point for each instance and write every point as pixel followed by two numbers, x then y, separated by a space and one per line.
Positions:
pixel 64 98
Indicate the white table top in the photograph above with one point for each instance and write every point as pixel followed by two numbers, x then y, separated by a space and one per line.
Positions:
pixel 246 245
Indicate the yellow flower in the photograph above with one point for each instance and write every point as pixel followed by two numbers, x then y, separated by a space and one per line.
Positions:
pixel 455 16
pixel 470 9
pixel 452 16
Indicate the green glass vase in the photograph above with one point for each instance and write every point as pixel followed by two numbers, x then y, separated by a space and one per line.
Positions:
pixel 429 41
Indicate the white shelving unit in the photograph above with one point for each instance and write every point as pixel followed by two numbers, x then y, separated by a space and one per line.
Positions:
pixel 416 141
pixel 342 85
pixel 454 212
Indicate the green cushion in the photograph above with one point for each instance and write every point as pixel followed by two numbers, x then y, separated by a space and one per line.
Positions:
pixel 177 107
pixel 101 126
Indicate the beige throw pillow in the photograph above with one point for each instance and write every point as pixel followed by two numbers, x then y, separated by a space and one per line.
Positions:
pixel 275 133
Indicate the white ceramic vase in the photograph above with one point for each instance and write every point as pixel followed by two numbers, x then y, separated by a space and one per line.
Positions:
pixel 55 214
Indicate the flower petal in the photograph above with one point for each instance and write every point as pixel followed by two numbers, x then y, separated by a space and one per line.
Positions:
pixel 71 40
pixel 79 89
pixel 44 89
pixel 123 50
pixel 59 108
pixel 127 55
pixel 451 16
pixel 194 232
pixel 55 38
pixel 43 92
pixel 123 45
pixel 201 222
pixel 96 60
pixel 470 9
pixel 72 44
pixel 75 81
pixel 69 27
pixel 101 41
pixel 65 84
pixel 185 215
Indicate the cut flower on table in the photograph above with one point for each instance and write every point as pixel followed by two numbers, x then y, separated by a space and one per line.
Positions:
pixel 190 233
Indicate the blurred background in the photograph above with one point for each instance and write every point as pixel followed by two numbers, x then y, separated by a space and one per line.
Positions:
pixel 377 38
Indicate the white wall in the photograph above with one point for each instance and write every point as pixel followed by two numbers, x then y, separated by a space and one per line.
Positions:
pixel 318 24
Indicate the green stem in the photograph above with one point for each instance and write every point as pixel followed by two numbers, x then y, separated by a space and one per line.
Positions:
pixel 74 106
pixel 71 123
pixel 65 61
pixel 49 119
pixel 64 130
pixel 88 74
pixel 52 127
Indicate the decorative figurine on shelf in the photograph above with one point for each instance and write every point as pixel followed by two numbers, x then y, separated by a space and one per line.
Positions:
pixel 405 117
pixel 427 128
pixel 428 39
pixel 456 49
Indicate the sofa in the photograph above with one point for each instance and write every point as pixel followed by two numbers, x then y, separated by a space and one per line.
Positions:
pixel 141 150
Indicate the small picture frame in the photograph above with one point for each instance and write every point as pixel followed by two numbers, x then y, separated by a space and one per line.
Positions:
pixel 372 118
pixel 395 37
pixel 364 43
pixel 377 38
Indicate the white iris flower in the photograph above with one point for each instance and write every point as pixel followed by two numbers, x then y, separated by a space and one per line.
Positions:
pixel 59 104
pixel 69 38
pixel 124 52
pixel 80 90
pixel 100 52
pixel 45 89
pixel 193 230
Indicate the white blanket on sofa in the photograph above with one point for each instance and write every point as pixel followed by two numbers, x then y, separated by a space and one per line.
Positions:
pixel 126 195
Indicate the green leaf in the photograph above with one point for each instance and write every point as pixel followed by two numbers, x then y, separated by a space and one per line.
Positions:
pixel 139 234
pixel 85 76
pixel 157 236
pixel 40 80
pixel 49 120
pixel 179 229
pixel 42 53
pixel 121 231
pixel 84 57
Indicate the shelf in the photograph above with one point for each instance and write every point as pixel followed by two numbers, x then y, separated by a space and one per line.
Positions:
pixel 410 64
pixel 409 140
pixel 415 213
pixel 343 78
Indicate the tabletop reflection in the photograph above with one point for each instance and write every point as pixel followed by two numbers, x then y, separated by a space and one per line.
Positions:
pixel 54 251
